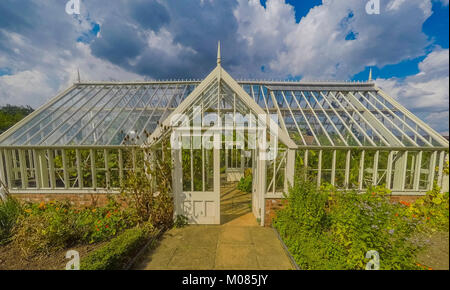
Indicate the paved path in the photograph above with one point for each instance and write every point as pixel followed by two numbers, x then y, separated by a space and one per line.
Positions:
pixel 239 243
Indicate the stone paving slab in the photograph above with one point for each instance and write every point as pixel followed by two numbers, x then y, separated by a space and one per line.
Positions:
pixel 238 244
pixel 192 258
pixel 236 256
pixel 230 247
pixel 235 235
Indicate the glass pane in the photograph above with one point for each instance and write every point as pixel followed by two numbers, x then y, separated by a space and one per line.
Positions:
pixel 341 159
pixel 186 163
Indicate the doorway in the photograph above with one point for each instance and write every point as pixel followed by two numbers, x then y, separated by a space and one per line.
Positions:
pixel 207 189
pixel 236 171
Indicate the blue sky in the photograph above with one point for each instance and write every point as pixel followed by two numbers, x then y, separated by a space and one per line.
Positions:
pixel 406 45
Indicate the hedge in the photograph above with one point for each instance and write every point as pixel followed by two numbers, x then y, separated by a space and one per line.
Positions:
pixel 115 254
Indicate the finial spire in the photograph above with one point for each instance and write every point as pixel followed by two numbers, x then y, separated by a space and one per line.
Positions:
pixel 370 75
pixel 219 60
pixel 78 71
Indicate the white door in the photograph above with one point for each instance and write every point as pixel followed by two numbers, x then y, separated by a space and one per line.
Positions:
pixel 198 197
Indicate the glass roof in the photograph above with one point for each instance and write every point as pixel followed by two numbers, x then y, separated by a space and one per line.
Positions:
pixel 313 114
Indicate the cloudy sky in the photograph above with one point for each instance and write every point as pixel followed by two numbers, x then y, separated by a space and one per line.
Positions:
pixel 406 44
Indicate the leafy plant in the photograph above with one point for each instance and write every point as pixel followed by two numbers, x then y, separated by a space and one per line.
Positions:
pixel 431 210
pixel 245 184
pixel 45 227
pixel 148 192
pixel 180 221
pixel 101 223
pixel 369 221
pixel 56 225
pixel 10 210
pixel 330 229
pixel 116 253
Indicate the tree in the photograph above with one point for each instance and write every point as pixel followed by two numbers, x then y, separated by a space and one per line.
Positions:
pixel 10 115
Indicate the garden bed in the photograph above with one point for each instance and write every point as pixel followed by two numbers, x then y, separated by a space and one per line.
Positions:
pixel 330 230
pixel 11 258
pixel 435 255
pixel 38 235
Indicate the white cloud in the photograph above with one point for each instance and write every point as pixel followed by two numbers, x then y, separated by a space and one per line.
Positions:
pixel 25 88
pixel 438 120
pixel 257 24
pixel 427 92
pixel 317 48
pixel 264 32
pixel 55 73
pixel 163 40
pixel 93 68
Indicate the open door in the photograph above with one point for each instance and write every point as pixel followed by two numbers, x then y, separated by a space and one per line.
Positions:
pixel 256 207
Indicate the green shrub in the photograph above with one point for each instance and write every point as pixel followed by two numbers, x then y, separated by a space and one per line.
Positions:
pixel 327 229
pixel 245 184
pixel 56 225
pixel 45 227
pixel 369 221
pixel 180 221
pixel 10 210
pixel 146 204
pixel 432 210
pixel 117 252
pixel 101 223
pixel 302 224
pixel 148 193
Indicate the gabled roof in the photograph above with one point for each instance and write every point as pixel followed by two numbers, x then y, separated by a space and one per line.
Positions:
pixel 227 87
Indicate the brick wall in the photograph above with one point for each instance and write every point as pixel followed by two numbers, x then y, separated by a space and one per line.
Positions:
pixel 407 198
pixel 273 204
pixel 79 200
pixel 84 200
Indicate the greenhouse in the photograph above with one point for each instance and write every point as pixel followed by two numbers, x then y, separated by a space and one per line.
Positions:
pixel 351 135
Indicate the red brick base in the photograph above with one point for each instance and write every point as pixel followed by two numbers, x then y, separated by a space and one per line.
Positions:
pixel 79 200
pixel 274 204
pixel 407 198
pixel 85 200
